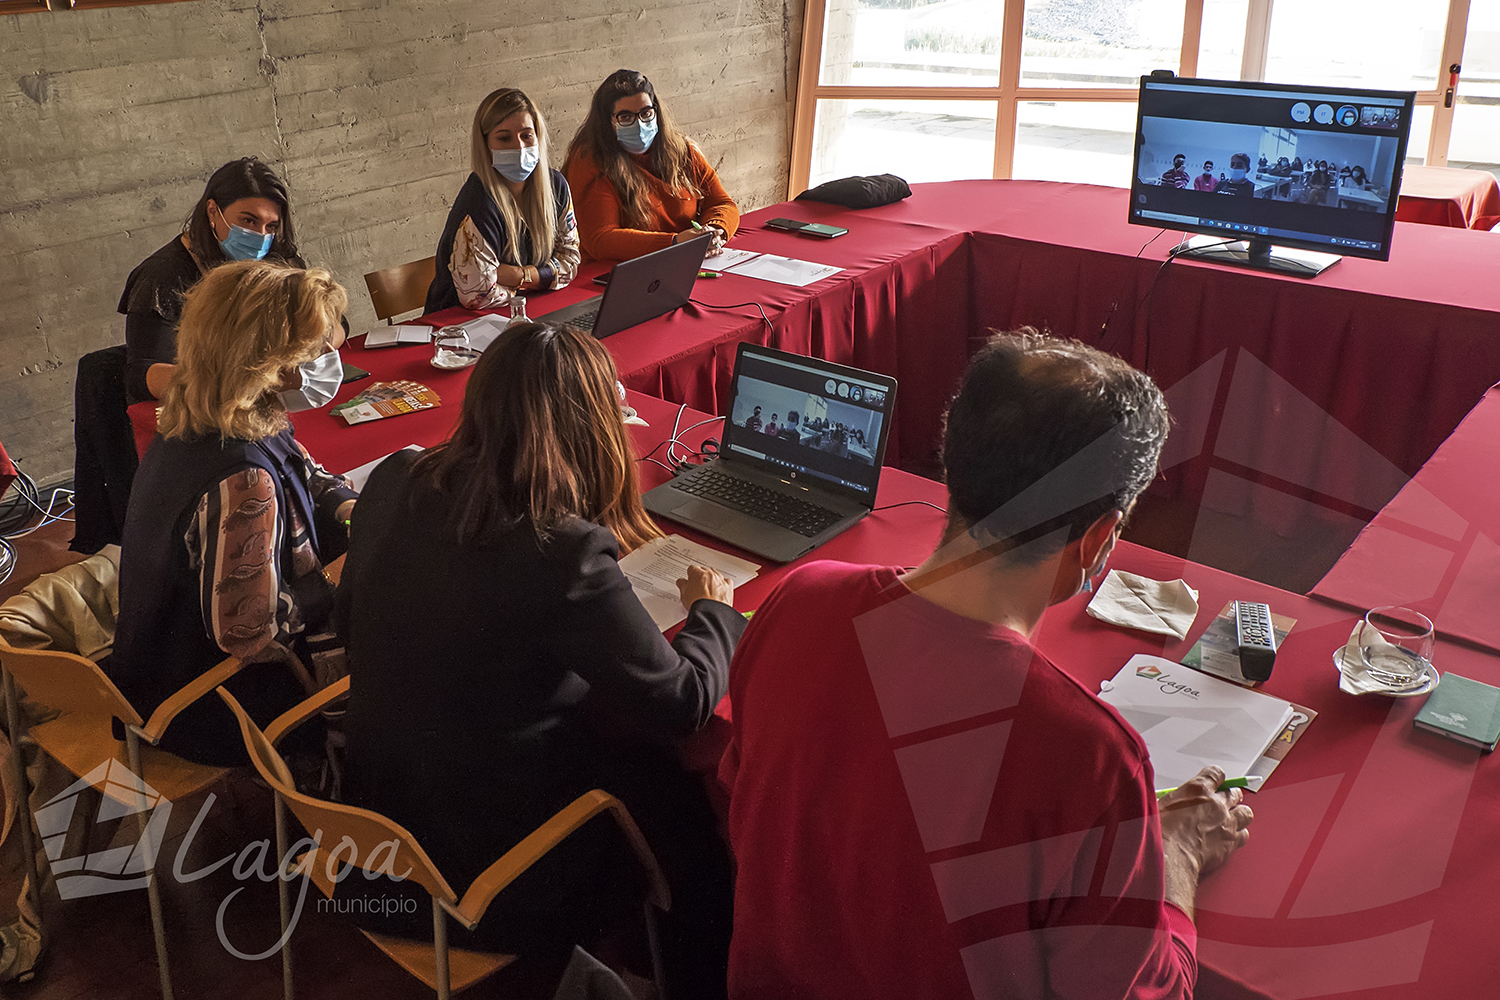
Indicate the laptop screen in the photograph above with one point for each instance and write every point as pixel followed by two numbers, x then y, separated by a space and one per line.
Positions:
pixel 810 418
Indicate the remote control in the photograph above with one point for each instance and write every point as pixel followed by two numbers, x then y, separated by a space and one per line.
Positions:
pixel 1255 639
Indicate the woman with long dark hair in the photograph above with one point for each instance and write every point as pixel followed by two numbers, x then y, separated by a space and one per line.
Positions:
pixel 243 214
pixel 640 184
pixel 511 227
pixel 501 664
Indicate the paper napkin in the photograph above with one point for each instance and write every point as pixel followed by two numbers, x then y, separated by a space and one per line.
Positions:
pixel 1149 605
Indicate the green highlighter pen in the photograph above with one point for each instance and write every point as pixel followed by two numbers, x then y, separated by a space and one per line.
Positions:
pixel 1227 784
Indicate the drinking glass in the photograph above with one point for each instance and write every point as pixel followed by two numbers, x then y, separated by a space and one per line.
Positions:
pixel 451 348
pixel 1396 645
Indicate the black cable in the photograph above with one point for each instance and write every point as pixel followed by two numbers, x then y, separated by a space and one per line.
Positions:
pixel 908 503
pixel 738 305
pixel 1146 300
pixel 1115 305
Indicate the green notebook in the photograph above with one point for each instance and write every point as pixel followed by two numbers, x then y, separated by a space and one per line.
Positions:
pixel 1463 710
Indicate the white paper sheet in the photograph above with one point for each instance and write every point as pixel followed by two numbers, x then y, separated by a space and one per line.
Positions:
pixel 728 259
pixel 358 477
pixel 783 270
pixel 1190 719
pixel 484 329
pixel 401 333
pixel 654 569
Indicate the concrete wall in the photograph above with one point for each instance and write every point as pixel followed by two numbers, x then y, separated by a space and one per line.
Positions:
pixel 114 119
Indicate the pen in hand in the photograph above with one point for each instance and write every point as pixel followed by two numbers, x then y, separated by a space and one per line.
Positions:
pixel 1228 783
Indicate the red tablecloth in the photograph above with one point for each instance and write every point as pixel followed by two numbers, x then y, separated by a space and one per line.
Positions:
pixel 1446 196
pixel 1284 391
pixel 900 307
pixel 1436 546
pixel 1372 863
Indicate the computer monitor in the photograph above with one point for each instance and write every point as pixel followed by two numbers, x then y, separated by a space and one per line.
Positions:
pixel 1263 166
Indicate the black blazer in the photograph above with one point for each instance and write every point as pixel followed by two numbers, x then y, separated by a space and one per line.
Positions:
pixel 477 670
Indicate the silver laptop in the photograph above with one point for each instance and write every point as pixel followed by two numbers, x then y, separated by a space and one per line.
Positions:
pixel 800 457
pixel 638 290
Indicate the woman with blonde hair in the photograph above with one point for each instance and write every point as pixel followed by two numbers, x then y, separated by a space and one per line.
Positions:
pixel 511 228
pixel 230 521
pixel 485 667
pixel 641 184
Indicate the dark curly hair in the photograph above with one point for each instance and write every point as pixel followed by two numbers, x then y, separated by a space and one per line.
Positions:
pixel 1045 437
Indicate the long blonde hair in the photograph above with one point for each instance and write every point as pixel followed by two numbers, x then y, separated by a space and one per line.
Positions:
pixel 242 327
pixel 536 209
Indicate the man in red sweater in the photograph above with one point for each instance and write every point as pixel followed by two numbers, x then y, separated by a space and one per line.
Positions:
pixel 922 806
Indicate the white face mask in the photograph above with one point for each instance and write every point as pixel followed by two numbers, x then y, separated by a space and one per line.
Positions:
pixel 321 378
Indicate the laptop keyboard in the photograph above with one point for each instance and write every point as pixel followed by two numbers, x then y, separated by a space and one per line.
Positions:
pixel 584 321
pixel 768 505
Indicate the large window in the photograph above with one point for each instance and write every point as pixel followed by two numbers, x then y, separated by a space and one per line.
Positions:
pixel 946 89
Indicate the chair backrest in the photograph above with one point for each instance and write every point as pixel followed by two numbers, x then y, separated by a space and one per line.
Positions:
pixel 397 290
pixel 333 823
pixel 66 682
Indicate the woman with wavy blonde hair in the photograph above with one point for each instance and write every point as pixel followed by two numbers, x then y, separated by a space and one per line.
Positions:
pixel 511 228
pixel 511 603
pixel 230 521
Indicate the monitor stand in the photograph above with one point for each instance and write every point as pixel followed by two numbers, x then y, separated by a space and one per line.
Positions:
pixel 1257 253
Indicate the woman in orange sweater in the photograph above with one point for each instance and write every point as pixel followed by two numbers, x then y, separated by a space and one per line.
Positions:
pixel 638 183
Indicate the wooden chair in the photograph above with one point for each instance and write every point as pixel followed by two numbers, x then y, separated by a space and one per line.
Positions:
pixel 80 738
pixel 400 289
pixel 446 970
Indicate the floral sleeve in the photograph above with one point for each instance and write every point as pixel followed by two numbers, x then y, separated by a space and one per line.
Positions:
pixel 565 251
pixel 234 538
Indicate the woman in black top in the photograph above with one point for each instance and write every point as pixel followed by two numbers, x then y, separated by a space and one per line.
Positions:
pixel 521 231
pixel 501 664
pixel 244 214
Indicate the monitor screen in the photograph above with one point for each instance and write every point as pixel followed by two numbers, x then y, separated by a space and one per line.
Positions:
pixel 1311 167
pixel 811 418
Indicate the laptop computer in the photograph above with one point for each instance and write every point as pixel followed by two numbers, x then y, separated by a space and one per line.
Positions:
pixel 799 460
pixel 638 290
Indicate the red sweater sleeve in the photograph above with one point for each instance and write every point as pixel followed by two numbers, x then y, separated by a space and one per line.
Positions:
pixel 715 207
pixel 598 209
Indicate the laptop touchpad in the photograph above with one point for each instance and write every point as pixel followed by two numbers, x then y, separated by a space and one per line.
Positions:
pixel 709 515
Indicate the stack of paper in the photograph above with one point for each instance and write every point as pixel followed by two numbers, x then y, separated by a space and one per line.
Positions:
pixel 1189 719
pixel 654 569
pixel 782 270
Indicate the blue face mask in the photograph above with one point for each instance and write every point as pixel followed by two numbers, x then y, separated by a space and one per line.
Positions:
pixel 242 244
pixel 1236 173
pixel 515 165
pixel 636 138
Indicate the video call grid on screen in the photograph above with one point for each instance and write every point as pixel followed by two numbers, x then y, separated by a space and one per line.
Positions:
pixel 827 425
pixel 1321 205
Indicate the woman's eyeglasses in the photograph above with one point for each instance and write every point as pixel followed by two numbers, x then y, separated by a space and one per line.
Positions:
pixel 628 118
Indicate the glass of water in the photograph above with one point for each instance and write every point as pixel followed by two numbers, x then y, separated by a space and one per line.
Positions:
pixel 1396 646
pixel 451 348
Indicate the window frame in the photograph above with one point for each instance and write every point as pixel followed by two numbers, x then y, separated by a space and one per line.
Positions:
pixel 1008 94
